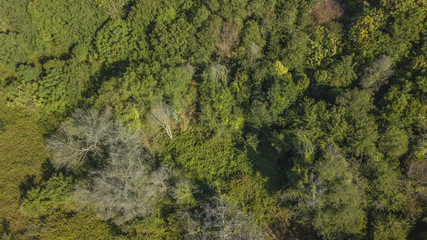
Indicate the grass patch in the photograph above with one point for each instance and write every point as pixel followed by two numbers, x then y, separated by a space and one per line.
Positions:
pixel 22 151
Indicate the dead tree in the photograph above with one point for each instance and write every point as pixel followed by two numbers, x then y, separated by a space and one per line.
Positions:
pixel 81 138
pixel 162 115
pixel 221 219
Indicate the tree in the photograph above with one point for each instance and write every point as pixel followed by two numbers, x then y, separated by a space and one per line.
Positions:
pixel 229 36
pixel 221 219
pixel 123 182
pixel 340 73
pixel 126 188
pixel 163 116
pixel 66 22
pixel 176 88
pixel 218 107
pixel 392 228
pixel 82 139
pixel 43 200
pixel 394 142
pixel 169 41
pixel 377 74
pixel 281 94
pixel 326 11
pixel 130 95
pixel 363 130
pixel 332 200
pixel 114 8
pixel 63 86
pixel 368 39
pixel 114 42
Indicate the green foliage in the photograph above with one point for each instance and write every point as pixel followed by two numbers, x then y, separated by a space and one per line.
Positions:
pixel 114 42
pixel 334 195
pixel 394 142
pixel 114 8
pixel 391 228
pixel 22 152
pixel 340 210
pixel 252 41
pixel 324 43
pixel 363 132
pixel 301 81
pixel 204 157
pixel 218 107
pixel 131 95
pixel 366 32
pixel 169 41
pixel 324 100
pixel 45 199
pixel 175 83
pixel 340 73
pixel 63 86
pixel 281 95
pixel 75 225
pixel 401 109
pixel 16 49
pixel 230 9
pixel 295 54
pixel 66 22
pixel 206 39
pixel 280 69
pixel 27 73
pixel 15 18
pixel 388 189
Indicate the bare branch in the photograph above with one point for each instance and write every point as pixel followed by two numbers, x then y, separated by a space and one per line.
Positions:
pixel 220 219
pixel 81 136
pixel 163 116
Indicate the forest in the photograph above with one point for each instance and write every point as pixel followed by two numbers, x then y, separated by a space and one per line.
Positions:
pixel 213 119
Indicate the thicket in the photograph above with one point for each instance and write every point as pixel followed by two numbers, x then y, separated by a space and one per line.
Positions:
pixel 216 119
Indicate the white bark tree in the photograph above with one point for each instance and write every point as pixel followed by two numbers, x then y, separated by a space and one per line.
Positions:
pixel 162 115
pixel 126 184
pixel 81 138
pixel 220 219
pixel 378 73
pixel 127 187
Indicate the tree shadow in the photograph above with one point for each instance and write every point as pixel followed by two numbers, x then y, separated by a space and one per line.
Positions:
pixel 47 170
pixel 106 72
pixel 26 185
pixel 268 155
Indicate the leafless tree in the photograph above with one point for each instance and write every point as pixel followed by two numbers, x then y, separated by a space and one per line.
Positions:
pixel 218 72
pixel 378 73
pixel 221 219
pixel 126 188
pixel 163 116
pixel 126 184
pixel 326 11
pixel 114 8
pixel 255 51
pixel 80 137
pixel 229 36
pixel 123 190
pixel 190 68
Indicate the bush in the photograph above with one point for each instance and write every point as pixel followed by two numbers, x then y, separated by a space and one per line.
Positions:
pixel 42 200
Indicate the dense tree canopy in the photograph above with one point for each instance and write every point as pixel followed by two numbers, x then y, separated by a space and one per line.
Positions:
pixel 214 119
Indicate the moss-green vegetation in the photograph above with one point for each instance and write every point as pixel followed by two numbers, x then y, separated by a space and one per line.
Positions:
pixel 22 151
